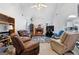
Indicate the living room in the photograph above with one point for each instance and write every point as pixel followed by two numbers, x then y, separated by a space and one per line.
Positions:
pixel 39 28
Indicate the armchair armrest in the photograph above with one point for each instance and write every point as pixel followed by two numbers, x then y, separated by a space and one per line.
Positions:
pixel 25 39
pixel 57 47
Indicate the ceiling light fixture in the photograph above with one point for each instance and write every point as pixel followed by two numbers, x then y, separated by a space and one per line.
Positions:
pixel 72 16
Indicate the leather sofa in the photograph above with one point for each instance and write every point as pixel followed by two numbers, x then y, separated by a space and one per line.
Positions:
pixel 66 43
pixel 24 48
pixel 23 33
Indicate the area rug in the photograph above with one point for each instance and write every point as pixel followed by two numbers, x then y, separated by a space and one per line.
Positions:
pixel 41 39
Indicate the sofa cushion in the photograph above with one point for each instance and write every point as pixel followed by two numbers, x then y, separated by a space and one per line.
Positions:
pixel 30 45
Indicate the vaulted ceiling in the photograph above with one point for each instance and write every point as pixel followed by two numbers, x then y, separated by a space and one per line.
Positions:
pixel 55 13
pixel 25 9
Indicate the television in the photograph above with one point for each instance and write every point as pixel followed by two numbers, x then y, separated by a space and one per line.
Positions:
pixel 48 28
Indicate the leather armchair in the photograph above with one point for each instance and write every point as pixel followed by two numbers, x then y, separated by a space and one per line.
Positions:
pixel 27 48
pixel 65 43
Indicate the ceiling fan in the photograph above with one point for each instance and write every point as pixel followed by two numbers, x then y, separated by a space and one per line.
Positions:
pixel 39 6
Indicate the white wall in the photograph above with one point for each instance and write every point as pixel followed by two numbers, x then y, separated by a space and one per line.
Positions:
pixel 12 10
pixel 62 13
pixel 55 14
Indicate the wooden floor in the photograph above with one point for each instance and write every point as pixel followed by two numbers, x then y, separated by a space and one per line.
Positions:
pixel 45 49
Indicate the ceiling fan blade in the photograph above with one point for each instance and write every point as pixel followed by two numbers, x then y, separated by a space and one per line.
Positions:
pixel 34 6
pixel 43 5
